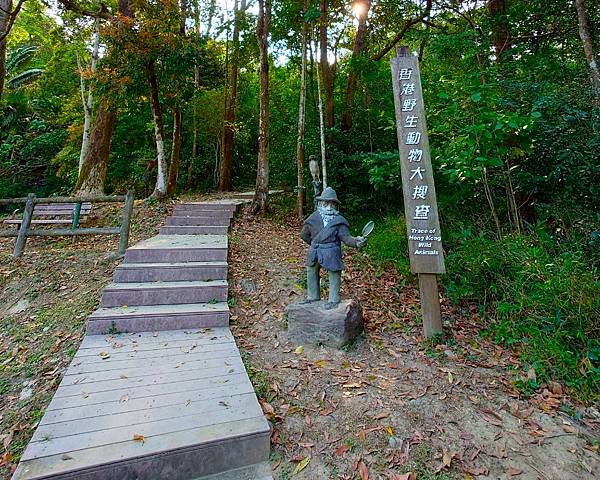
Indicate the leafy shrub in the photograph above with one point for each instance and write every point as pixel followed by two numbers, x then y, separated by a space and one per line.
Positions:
pixel 388 244
pixel 545 302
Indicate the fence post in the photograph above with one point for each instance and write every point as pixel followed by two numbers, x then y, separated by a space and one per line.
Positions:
pixel 24 228
pixel 76 213
pixel 126 222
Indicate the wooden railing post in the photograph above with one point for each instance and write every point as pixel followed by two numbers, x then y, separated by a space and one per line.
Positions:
pixel 126 222
pixel 76 214
pixel 24 228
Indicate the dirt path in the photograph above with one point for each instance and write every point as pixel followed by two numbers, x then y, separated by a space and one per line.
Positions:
pixel 391 405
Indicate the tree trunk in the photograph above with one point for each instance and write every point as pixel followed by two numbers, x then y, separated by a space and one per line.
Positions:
pixel 322 132
pixel 261 194
pixel 93 170
pixel 196 84
pixel 160 189
pixel 226 165
pixel 5 9
pixel 359 43
pixel 326 70
pixel 87 100
pixel 500 32
pixel 175 152
pixel 95 163
pixel 301 199
pixel 588 46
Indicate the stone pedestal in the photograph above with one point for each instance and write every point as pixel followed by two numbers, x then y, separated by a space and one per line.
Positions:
pixel 310 323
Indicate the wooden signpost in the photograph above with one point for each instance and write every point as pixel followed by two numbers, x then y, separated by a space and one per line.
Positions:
pixel 420 205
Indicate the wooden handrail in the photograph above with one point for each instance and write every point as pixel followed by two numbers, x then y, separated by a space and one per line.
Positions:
pixel 31 200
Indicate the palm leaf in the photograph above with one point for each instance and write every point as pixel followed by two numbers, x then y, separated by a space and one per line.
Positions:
pixel 24 77
pixel 19 57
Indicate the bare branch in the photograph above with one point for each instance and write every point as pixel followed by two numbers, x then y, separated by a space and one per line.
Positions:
pixel 12 16
pixel 413 21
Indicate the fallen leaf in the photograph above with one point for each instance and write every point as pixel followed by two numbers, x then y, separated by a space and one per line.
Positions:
pixel 363 471
pixel 514 471
pixel 381 415
pixel 447 458
pixel 66 457
pixel 139 438
pixel 299 350
pixel 301 465
pixel 341 450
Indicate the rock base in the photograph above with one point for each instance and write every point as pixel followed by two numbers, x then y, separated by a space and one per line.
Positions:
pixel 310 323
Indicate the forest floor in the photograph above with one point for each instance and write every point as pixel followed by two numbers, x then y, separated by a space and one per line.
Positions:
pixel 391 406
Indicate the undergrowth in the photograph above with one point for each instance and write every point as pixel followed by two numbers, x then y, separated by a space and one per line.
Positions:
pixel 539 298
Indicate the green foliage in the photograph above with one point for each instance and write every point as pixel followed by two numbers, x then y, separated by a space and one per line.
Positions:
pixel 540 299
pixel 388 244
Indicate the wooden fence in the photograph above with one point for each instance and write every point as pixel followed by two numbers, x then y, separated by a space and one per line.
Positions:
pixel 31 200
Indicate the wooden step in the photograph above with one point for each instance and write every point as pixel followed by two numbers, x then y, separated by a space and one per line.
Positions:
pixel 156 425
pixel 193 230
pixel 164 293
pixel 155 318
pixel 170 272
pixel 179 248
pixel 197 221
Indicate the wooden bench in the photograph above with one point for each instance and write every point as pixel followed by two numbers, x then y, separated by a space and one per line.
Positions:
pixel 56 213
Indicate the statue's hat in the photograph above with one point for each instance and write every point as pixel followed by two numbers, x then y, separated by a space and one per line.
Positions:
pixel 329 195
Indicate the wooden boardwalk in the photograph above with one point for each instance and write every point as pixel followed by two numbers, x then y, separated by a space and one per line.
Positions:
pixel 169 400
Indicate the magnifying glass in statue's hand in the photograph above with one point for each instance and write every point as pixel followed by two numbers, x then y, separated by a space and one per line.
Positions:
pixel 367 229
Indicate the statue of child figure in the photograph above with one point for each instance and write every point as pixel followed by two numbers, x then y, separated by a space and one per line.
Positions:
pixel 324 230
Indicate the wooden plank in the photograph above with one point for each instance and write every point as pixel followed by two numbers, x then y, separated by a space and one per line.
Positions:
pixel 141 398
pixel 67 232
pixel 41 221
pixel 94 382
pixel 133 368
pixel 173 355
pixel 96 375
pixel 141 347
pixel 113 390
pixel 420 204
pixel 210 443
pixel 125 433
pixel 148 338
pixel 215 410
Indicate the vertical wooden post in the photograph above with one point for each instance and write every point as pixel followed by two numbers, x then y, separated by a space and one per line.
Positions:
pixel 126 222
pixel 430 304
pixel 420 204
pixel 76 213
pixel 24 228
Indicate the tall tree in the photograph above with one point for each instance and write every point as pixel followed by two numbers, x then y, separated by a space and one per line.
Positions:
pixel 160 189
pixel 87 97
pixel 327 71
pixel 588 46
pixel 263 26
pixel 177 117
pixel 226 164
pixel 95 162
pixel 8 15
pixel 301 199
pixel 500 31
pixel 361 9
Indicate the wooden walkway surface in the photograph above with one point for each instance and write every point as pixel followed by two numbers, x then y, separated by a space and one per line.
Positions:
pixel 169 400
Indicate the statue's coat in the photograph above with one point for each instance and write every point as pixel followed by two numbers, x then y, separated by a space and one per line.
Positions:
pixel 325 242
